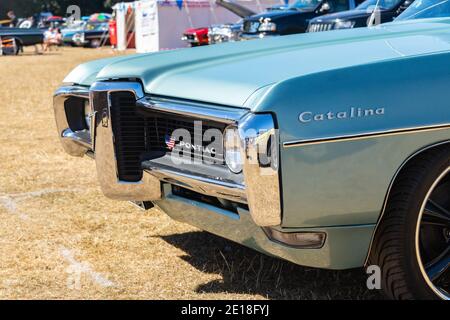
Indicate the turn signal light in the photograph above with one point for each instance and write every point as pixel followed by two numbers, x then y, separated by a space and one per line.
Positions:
pixel 300 240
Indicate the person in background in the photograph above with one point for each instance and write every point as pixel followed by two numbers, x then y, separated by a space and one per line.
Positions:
pixel 13 18
pixel 52 37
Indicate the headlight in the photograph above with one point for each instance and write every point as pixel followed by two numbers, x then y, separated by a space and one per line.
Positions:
pixel 267 26
pixel 232 147
pixel 87 114
pixel 344 24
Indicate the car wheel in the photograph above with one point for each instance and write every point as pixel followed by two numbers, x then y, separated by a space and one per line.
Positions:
pixel 412 242
pixel 95 43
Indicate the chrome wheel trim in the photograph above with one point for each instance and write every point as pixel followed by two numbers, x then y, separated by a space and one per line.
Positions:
pixel 440 293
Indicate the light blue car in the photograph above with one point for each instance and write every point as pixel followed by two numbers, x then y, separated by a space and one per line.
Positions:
pixel 329 150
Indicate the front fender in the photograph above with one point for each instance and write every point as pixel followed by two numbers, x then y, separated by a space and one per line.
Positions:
pixel 337 171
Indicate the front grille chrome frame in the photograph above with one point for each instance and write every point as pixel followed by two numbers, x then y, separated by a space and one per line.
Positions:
pixel 260 188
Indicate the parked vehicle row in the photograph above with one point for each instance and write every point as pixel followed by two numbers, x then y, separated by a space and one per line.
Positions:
pixel 300 17
pixel 91 31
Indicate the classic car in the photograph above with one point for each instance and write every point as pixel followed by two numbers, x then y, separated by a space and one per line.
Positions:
pixel 360 16
pixel 218 33
pixel 332 160
pixel 196 36
pixel 291 19
pixel 72 29
pixel 227 32
pixel 22 37
pixel 92 35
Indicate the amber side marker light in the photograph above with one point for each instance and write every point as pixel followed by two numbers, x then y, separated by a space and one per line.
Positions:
pixel 299 240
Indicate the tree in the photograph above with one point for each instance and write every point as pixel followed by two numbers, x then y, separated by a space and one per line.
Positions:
pixel 26 8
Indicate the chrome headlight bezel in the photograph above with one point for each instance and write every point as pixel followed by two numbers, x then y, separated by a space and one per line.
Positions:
pixel 232 149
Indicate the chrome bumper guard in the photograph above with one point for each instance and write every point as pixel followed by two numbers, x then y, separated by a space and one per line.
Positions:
pixel 259 150
pixel 75 143
pixel 149 188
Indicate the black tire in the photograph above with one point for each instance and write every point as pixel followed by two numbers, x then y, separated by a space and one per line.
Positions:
pixel 95 43
pixel 394 248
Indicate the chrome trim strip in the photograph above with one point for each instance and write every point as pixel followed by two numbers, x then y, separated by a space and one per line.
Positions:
pixel 261 173
pixel 74 143
pixel 388 193
pixel 196 111
pixel 206 186
pixel 114 86
pixel 81 137
pixel 74 91
pixel 375 134
pixel 149 188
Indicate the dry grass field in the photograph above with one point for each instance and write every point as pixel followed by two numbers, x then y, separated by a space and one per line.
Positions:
pixel 61 239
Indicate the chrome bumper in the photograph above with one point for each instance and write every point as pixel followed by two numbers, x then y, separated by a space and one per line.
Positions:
pixel 76 143
pixel 261 190
pixel 254 36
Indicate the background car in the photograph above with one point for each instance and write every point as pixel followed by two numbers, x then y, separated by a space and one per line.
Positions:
pixel 196 36
pixel 359 17
pixel 21 37
pixel 292 19
pixel 218 33
pixel 71 30
pixel 426 9
pixel 92 35
pixel 229 31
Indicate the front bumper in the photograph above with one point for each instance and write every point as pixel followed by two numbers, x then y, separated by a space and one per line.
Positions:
pixel 191 40
pixel 259 35
pixel 345 246
pixel 260 189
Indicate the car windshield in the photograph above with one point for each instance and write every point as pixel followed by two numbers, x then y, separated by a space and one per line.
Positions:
pixel 304 4
pixel 421 9
pixel 369 5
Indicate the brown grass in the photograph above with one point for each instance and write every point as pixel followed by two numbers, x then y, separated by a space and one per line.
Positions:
pixel 54 219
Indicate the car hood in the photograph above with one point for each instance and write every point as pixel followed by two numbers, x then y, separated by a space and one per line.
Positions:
pixel 86 74
pixel 231 73
pixel 196 30
pixel 343 15
pixel 236 8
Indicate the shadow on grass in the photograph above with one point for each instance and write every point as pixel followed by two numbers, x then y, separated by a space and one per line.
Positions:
pixel 245 271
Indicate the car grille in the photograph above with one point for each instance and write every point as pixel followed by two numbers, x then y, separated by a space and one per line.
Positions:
pixel 318 27
pixel 189 36
pixel 251 26
pixel 143 135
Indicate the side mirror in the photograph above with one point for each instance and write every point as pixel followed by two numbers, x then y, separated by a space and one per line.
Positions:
pixel 325 7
